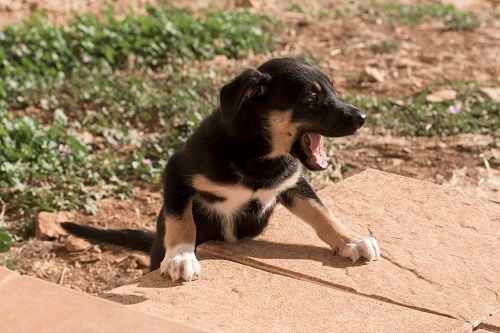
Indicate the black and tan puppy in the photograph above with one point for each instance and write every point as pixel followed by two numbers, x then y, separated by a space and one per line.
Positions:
pixel 244 159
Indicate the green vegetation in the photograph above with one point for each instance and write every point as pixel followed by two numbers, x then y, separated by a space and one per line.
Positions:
pixel 454 18
pixel 5 240
pixel 410 14
pixel 47 167
pixel 317 14
pixel 91 108
pixel 385 46
pixel 470 112
pixel 38 48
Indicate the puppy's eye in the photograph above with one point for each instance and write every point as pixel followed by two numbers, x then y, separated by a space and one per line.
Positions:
pixel 311 98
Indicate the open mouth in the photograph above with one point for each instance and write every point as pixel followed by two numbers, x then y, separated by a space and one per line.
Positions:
pixel 312 145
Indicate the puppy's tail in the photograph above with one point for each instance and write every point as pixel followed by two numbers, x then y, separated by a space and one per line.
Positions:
pixel 128 238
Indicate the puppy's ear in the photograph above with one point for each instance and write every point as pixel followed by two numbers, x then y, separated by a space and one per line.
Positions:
pixel 248 84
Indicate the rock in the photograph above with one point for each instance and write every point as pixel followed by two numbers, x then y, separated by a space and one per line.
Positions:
pixel 253 301
pixel 246 3
pixel 48 225
pixel 441 95
pixel 142 261
pixel 89 257
pixel 492 93
pixel 74 244
pixel 375 74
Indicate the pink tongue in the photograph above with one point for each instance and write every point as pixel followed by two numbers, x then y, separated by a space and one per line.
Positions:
pixel 318 155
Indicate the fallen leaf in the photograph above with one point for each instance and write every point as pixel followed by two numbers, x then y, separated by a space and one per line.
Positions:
pixel 399 102
pixel 375 74
pixel 85 137
pixel 492 93
pixel 246 3
pixel 441 95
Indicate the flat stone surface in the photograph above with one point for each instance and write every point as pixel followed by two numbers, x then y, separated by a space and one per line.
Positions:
pixel 235 298
pixel 6 275
pixel 440 247
pixel 32 305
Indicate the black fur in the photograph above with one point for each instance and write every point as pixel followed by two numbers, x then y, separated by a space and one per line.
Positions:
pixel 133 239
pixel 230 146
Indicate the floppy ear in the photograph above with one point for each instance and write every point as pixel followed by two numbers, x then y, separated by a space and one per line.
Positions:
pixel 248 84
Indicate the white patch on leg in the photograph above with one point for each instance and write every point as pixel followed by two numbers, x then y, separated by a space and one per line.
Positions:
pixel 180 262
pixel 364 248
pixel 227 229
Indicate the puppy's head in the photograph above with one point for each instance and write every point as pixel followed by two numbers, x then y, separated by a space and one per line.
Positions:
pixel 298 104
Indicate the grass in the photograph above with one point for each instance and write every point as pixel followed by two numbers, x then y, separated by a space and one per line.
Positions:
pixel 317 14
pixel 90 109
pixel 470 112
pixel 385 46
pixel 410 14
pixel 134 122
pixel 38 48
pixel 414 14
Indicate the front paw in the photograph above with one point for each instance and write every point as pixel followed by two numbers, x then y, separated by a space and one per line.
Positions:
pixel 363 248
pixel 180 262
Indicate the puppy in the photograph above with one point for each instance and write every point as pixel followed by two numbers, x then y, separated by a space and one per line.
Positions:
pixel 244 159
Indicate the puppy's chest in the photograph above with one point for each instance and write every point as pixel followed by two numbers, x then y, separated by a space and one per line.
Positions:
pixel 228 199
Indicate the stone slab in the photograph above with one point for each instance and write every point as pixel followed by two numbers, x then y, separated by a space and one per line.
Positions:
pixel 439 247
pixel 31 305
pixel 235 298
pixel 6 275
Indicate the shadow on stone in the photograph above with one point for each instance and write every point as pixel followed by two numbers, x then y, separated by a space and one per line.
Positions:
pixel 124 299
pixel 262 249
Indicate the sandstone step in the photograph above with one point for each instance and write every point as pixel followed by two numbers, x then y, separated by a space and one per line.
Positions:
pixel 230 297
pixel 30 305
pixel 440 247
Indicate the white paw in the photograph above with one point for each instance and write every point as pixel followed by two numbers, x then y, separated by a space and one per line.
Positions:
pixel 364 248
pixel 180 262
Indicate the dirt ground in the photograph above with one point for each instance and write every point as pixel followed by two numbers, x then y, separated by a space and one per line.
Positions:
pixel 341 46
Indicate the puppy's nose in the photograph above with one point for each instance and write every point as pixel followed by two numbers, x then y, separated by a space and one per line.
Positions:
pixel 360 118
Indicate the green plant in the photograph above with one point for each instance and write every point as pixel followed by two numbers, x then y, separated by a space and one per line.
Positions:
pixel 385 46
pixel 44 167
pixel 414 14
pixel 5 240
pixel 38 48
pixel 468 113
pixel 47 166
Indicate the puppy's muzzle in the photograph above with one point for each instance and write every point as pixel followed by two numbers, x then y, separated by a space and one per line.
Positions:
pixel 358 117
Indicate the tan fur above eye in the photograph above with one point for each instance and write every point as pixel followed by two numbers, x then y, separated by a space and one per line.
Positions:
pixel 316 87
